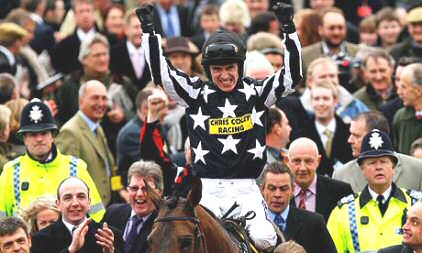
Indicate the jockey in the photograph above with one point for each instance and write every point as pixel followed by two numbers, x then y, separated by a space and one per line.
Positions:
pixel 226 118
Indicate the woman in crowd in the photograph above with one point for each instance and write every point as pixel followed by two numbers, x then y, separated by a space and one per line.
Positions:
pixel 41 214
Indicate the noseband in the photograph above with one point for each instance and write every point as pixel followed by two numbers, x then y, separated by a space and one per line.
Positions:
pixel 198 235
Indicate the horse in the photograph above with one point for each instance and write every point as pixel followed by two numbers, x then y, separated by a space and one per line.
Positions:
pixel 182 225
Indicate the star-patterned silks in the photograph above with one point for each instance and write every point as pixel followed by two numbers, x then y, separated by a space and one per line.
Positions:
pixel 258 150
pixel 228 109
pixel 229 144
pixel 248 90
pixel 207 91
pixel 199 119
pixel 200 153
pixel 256 117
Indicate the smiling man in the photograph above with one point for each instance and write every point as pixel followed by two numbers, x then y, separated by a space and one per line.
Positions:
pixel 74 231
pixel 373 218
pixel 412 233
pixel 378 67
pixel 328 130
pixel 136 218
pixel 226 118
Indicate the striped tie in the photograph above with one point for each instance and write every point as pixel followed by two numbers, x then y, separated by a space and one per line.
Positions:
pixel 302 195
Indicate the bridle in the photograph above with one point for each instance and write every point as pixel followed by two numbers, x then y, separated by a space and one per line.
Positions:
pixel 198 235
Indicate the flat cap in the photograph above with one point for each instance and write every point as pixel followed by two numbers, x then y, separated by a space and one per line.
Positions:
pixel 9 32
pixel 414 15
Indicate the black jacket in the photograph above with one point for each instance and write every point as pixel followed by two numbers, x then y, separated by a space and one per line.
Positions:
pixel 120 63
pixel 328 194
pixel 396 249
pixel 57 238
pixel 341 150
pixel 309 230
pixel 185 24
pixel 405 49
pixel 65 55
pixel 117 216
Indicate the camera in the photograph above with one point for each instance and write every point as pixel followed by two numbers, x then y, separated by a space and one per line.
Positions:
pixel 346 64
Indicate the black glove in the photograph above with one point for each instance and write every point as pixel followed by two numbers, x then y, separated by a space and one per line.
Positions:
pixel 145 15
pixel 284 13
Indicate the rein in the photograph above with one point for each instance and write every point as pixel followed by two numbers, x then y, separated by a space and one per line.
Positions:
pixel 199 236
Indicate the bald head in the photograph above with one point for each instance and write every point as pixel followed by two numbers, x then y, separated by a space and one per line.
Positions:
pixel 93 100
pixel 72 181
pixel 412 229
pixel 304 144
pixel 303 160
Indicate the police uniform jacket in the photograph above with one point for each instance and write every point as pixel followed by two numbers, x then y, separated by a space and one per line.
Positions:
pixel 25 179
pixel 356 224
pixel 227 129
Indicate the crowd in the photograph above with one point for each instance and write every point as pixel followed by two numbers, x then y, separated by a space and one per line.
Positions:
pixel 308 112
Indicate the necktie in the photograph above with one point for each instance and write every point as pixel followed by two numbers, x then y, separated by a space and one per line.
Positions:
pixel 329 143
pixel 170 29
pixel 302 195
pixel 133 233
pixel 281 223
pixel 103 147
pixel 74 228
pixel 283 155
pixel 382 206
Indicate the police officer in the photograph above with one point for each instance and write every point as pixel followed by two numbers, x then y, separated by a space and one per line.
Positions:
pixel 373 218
pixel 43 167
pixel 226 118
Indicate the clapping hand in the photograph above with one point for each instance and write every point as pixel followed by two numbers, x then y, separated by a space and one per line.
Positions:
pixel 78 236
pixel 105 238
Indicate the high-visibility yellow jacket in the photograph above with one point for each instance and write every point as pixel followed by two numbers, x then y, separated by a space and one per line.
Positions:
pixel 365 228
pixel 25 179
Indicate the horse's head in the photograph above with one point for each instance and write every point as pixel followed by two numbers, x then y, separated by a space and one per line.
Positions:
pixel 176 228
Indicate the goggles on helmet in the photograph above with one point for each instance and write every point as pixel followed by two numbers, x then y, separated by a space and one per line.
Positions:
pixel 221 50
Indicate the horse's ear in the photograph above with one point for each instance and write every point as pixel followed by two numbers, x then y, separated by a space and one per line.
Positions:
pixel 195 193
pixel 152 195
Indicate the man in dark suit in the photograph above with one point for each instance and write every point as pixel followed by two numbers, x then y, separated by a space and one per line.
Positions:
pixel 412 233
pixel 127 58
pixel 278 134
pixel 11 36
pixel 136 219
pixel 171 20
pixel 327 129
pixel 44 34
pixel 295 113
pixel 74 232
pixel 66 52
pixel 306 228
pixel 313 192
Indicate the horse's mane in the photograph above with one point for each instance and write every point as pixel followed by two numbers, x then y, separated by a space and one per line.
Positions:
pixel 209 212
